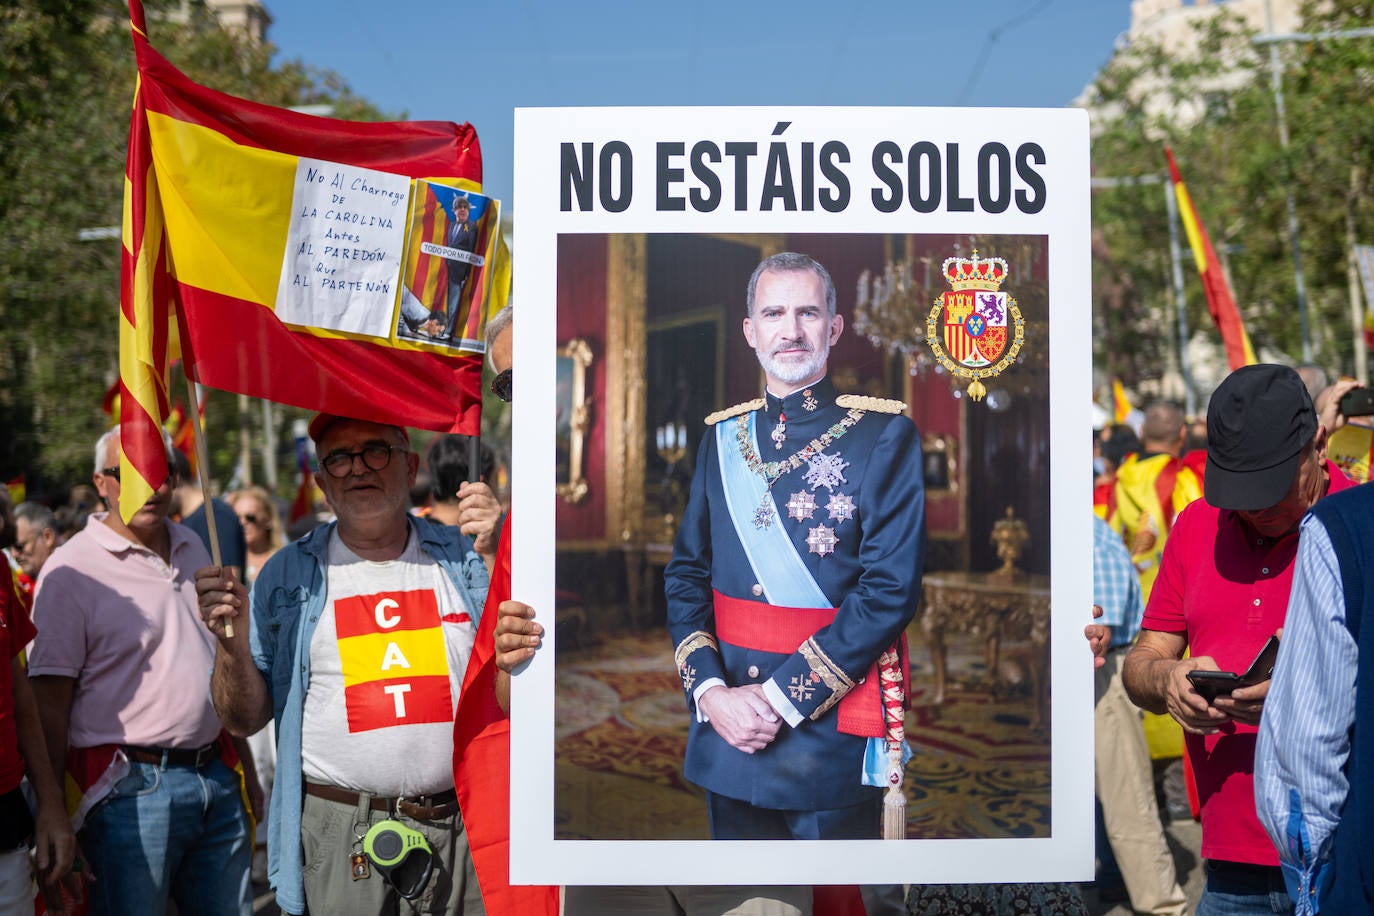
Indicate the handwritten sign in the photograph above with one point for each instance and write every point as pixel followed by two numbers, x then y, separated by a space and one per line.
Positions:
pixel 344 248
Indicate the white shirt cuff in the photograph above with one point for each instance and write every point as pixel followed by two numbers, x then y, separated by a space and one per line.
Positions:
pixel 781 704
pixel 701 689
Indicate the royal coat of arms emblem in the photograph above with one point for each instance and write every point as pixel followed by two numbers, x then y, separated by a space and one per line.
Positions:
pixel 975 329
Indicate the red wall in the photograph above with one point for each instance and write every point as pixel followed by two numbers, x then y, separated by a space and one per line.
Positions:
pixel 582 275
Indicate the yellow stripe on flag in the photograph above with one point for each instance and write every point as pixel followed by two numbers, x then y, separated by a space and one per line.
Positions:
pixel 141 363
pixel 1190 227
pixel 408 653
pixel 228 209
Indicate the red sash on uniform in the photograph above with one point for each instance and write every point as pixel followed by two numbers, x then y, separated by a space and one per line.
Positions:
pixel 773 628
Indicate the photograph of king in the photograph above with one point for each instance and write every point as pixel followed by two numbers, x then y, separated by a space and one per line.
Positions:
pixel 795 571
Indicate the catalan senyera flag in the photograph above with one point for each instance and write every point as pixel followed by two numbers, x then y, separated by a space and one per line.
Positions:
pixel 1220 303
pixel 265 247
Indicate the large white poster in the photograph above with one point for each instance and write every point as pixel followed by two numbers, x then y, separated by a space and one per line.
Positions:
pixel 717 189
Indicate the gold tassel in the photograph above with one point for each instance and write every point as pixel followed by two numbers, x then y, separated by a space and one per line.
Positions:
pixel 894 802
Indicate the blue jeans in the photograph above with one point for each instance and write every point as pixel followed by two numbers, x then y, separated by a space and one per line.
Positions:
pixel 1239 889
pixel 173 831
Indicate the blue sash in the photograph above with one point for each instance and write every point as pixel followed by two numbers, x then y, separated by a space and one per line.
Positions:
pixel 785 579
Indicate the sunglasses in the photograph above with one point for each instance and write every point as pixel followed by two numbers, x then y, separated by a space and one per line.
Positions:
pixel 249 519
pixel 501 385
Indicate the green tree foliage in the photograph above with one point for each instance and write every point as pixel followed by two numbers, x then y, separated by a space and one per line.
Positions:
pixel 1216 109
pixel 66 85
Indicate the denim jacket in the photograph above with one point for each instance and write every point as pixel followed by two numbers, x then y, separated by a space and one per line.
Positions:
pixel 285 604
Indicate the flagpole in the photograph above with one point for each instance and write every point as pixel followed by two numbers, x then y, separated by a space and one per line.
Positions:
pixel 1176 257
pixel 474 458
pixel 203 471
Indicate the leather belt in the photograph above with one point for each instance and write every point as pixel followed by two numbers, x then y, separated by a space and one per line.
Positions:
pixel 197 757
pixel 424 808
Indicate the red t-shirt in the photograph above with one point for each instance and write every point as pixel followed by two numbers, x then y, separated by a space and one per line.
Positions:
pixel 1226 589
pixel 16 632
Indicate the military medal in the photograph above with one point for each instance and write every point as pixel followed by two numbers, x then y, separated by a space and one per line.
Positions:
pixel 771 471
pixel 826 471
pixel 779 434
pixel 840 507
pixel 809 400
pixel 975 330
pixel 821 540
pixel 801 506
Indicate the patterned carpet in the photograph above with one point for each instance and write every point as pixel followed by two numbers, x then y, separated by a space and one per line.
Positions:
pixel 979 769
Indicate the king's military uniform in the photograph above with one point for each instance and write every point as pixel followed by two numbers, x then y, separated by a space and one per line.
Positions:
pixel 797 565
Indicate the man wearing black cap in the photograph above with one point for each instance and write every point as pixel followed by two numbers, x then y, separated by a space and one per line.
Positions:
pixel 1222 591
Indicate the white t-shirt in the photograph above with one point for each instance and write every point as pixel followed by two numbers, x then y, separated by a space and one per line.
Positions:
pixel 386 663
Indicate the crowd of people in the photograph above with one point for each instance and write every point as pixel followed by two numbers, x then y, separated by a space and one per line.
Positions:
pixel 347 691
pixel 1267 534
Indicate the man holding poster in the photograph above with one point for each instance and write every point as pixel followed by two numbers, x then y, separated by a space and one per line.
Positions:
pixel 359 639
pixel 797 566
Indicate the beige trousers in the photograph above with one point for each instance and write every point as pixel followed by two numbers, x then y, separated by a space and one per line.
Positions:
pixel 1125 786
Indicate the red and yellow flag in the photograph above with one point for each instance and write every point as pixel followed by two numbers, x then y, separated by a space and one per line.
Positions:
pixel 257 244
pixel 1121 405
pixel 1220 303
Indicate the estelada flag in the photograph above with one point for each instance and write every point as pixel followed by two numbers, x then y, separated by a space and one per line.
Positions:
pixel 267 247
pixel 1220 303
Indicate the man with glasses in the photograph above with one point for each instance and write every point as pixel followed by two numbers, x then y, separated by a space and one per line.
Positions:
pixel 356 639
pixel 118 670
pixel 35 537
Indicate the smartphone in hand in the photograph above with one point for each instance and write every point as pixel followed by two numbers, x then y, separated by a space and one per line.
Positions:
pixel 1358 402
pixel 1213 684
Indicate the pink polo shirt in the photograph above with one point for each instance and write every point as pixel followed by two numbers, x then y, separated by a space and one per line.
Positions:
pixel 1225 588
pixel 125 625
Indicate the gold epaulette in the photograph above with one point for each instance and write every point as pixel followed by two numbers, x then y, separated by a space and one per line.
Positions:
pixel 713 418
pixel 864 402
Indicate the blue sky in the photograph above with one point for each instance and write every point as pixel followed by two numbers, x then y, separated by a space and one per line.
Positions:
pixel 478 62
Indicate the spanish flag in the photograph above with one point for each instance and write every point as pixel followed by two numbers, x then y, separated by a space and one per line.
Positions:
pixel 267 248
pixel 1220 303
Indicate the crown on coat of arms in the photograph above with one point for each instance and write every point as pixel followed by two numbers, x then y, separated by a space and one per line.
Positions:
pixel 975 272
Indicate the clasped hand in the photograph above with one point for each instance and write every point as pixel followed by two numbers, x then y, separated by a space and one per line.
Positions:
pixel 741 715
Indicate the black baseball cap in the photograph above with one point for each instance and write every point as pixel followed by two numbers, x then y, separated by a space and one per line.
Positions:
pixel 1258 421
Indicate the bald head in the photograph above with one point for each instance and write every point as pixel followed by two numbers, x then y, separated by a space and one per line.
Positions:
pixel 1164 429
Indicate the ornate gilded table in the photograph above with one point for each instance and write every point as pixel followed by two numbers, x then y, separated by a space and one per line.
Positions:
pixel 990 605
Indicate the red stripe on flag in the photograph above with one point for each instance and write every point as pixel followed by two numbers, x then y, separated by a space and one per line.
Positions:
pixel 424 262
pixel 398 701
pixel 386 612
pixel 140 439
pixel 416 149
pixel 355 378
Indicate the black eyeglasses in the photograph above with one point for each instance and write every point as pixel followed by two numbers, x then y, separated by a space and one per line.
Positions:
pixel 501 385
pixel 376 456
pixel 253 519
